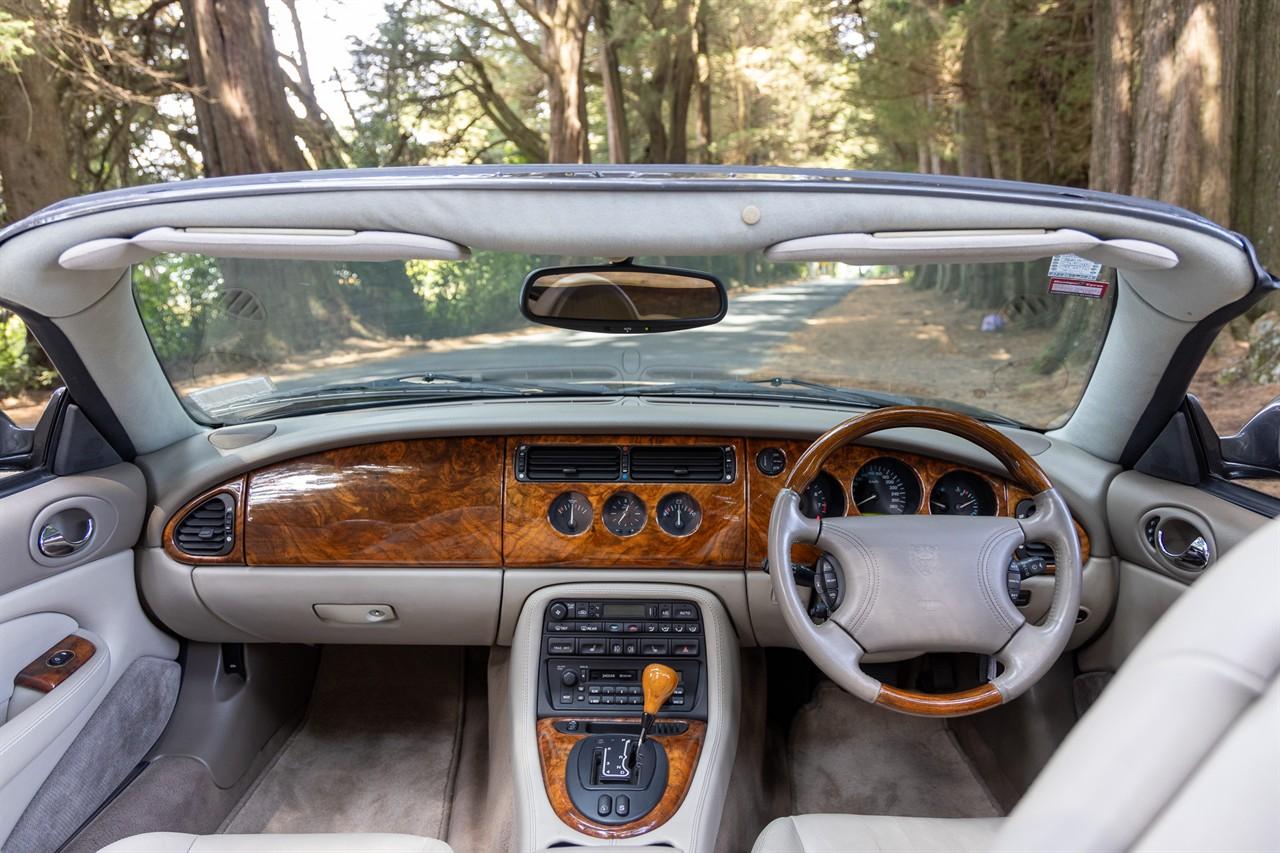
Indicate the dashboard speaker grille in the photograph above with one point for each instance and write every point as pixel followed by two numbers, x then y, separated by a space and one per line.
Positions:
pixel 568 463
pixel 209 529
pixel 658 464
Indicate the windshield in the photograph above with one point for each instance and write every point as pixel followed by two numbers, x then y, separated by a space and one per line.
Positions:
pixel 247 339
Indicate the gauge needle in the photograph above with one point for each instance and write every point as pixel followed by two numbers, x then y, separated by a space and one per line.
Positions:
pixel 679 519
pixel 967 505
pixel 572 507
pixel 867 498
pixel 939 504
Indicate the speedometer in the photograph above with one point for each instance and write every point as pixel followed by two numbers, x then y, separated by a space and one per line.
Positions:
pixel 886 486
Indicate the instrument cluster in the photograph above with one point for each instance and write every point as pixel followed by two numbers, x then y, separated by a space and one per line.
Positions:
pixel 624 514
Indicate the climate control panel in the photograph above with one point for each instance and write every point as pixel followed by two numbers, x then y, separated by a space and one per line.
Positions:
pixel 594 650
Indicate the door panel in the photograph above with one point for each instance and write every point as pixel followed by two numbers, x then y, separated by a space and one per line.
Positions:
pixel 89 592
pixel 1149 582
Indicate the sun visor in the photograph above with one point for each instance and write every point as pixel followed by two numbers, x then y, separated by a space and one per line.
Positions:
pixel 299 244
pixel 972 246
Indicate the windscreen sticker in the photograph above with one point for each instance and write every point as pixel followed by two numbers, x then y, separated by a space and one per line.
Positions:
pixel 1074 267
pixel 1073 275
pixel 1078 287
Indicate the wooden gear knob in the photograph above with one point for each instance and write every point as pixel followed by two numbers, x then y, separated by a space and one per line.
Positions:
pixel 660 682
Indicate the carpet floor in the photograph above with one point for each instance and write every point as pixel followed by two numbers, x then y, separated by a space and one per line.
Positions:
pixel 377 751
pixel 848 757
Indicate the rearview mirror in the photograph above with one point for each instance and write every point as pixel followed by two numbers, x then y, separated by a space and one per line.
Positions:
pixel 622 298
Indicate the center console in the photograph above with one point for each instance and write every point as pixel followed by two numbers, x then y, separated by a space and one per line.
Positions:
pixel 579 681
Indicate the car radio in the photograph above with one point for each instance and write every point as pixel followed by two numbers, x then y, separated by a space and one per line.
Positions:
pixel 593 652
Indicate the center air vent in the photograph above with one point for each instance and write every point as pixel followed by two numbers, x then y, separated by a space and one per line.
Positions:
pixel 209 529
pixel 658 464
pixel 567 463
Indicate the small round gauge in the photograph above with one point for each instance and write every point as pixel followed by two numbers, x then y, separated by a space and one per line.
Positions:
pixel 570 513
pixel 823 498
pixel 886 486
pixel 962 493
pixel 679 514
pixel 624 514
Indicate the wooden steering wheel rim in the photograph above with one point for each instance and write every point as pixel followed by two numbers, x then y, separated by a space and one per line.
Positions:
pixel 1021 467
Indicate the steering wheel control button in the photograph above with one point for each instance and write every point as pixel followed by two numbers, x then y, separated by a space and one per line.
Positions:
pixel 61 658
pixel 771 461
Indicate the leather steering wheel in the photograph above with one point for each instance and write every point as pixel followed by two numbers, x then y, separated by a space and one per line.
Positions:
pixel 918 583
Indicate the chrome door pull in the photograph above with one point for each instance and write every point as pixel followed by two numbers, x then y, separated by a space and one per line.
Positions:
pixel 1195 556
pixel 54 543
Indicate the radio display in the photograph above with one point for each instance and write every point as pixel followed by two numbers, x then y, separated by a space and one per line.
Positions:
pixel 624 611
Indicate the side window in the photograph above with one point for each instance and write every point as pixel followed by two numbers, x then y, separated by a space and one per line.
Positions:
pixel 27 383
pixel 1238 387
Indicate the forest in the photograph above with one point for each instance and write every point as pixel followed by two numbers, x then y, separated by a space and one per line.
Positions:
pixel 1170 99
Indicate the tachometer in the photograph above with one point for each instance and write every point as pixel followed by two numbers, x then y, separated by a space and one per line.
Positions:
pixel 823 498
pixel 624 514
pixel 962 493
pixel 886 486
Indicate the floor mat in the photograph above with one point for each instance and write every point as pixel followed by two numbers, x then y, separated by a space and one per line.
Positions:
pixel 376 752
pixel 849 757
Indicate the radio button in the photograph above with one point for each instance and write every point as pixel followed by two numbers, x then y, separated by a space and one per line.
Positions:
pixel 582 610
pixel 685 611
pixel 560 647
pixel 664 610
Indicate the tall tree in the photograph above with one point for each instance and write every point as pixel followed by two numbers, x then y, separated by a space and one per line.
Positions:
pixel 244 119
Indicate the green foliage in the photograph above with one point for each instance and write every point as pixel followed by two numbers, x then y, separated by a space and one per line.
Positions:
pixel 22 363
pixel 176 295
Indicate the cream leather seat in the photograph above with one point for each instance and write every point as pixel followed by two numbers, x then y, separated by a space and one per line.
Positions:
pixel 1182 751
pixel 336 842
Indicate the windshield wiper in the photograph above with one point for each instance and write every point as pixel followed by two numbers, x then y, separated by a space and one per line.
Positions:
pixel 412 386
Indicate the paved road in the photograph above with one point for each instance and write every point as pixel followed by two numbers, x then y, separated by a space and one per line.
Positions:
pixel 756 324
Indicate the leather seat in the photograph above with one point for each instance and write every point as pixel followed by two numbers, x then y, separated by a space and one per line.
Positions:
pixel 334 842
pixel 1181 752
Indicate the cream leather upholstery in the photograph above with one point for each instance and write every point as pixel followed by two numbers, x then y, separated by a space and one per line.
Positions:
pixel 338 842
pixel 1181 752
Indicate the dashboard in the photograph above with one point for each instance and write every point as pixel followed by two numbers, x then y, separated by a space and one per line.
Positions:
pixel 545 501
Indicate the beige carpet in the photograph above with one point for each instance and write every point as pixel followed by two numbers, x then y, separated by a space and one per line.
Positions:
pixel 848 757
pixel 376 752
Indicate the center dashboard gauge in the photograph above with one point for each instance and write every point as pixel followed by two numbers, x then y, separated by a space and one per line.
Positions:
pixel 823 498
pixel 679 514
pixel 570 513
pixel 886 486
pixel 962 493
pixel 624 514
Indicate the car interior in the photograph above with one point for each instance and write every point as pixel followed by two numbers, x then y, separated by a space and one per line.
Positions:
pixel 617 572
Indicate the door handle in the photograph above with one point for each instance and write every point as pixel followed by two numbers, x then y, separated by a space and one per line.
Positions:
pixel 54 542
pixel 1194 557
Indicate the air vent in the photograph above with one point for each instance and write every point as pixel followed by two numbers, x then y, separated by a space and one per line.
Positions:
pixel 209 529
pixel 569 463
pixel 658 464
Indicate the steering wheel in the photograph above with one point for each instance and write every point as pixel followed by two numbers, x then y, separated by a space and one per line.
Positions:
pixel 918 583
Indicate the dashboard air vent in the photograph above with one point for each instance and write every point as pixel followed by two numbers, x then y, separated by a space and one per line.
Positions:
pixel 209 529
pixel 658 464
pixel 567 463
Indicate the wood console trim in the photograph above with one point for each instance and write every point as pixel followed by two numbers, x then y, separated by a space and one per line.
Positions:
pixel 682 760
pixel 529 540
pixel 234 557
pixel 421 502
pixel 38 675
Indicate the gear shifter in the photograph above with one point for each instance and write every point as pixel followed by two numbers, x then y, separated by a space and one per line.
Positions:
pixel 659 682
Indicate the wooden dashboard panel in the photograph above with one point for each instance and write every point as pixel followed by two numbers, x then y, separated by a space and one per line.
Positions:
pixel 843 466
pixel 426 502
pixel 682 758
pixel 719 542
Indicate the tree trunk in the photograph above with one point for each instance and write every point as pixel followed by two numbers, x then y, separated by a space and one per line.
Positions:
pixel 703 52
pixel 1255 210
pixel 684 73
pixel 246 125
pixel 615 109
pixel 564 35
pixel 35 149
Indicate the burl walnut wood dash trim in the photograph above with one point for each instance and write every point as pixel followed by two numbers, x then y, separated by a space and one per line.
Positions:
pixel 945 705
pixel 38 675
pixel 682 759
pixel 234 557
pixel 529 540
pixel 425 502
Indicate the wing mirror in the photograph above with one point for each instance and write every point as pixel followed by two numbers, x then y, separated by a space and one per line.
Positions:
pixel 622 298
pixel 1255 450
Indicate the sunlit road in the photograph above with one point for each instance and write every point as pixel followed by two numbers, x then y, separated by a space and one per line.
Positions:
pixel 756 324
